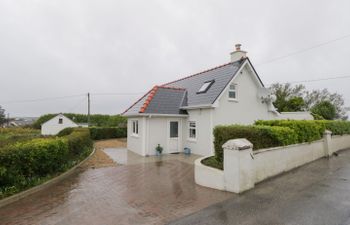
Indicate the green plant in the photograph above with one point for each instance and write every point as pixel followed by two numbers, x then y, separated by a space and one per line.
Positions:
pixel 306 130
pixel 159 149
pixel 259 136
pixel 325 109
pixel 98 133
pixel 213 162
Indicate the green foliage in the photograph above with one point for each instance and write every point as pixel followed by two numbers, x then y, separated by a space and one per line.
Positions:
pixel 27 163
pixel 213 162
pixel 337 127
pixel 306 130
pixel 12 135
pixel 325 109
pixel 286 92
pixel 259 136
pixel 98 133
pixel 95 119
pixel 2 116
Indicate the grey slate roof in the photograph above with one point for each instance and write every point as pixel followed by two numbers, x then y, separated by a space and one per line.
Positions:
pixel 168 99
pixel 221 76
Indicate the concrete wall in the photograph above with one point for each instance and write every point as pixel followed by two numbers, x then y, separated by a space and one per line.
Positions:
pixel 273 161
pixel 248 107
pixel 243 167
pixel 53 127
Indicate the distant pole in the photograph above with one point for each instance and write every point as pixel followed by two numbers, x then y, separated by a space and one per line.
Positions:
pixel 8 119
pixel 88 95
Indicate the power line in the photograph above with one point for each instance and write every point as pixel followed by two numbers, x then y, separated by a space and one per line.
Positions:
pixel 42 99
pixel 65 97
pixel 316 80
pixel 303 50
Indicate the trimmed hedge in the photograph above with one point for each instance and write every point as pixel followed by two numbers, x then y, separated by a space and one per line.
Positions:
pixel 27 163
pixel 310 130
pixel 259 136
pixel 99 133
pixel 307 130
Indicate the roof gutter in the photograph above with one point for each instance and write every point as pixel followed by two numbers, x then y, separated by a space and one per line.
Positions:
pixel 198 107
pixel 156 115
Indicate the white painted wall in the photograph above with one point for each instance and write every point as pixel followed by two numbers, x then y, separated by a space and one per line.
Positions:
pixel 159 133
pixel 296 116
pixel 203 144
pixel 136 143
pixel 248 107
pixel 53 127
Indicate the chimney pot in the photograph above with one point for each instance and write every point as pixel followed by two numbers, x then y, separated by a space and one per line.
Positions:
pixel 238 47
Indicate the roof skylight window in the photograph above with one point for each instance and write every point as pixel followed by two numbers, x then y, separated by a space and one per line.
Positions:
pixel 205 87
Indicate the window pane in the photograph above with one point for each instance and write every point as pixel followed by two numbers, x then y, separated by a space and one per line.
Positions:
pixel 174 129
pixel 232 94
pixel 232 87
pixel 137 127
pixel 204 87
pixel 192 133
pixel 60 120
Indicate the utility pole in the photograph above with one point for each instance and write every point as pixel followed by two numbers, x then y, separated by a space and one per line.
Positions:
pixel 8 119
pixel 88 95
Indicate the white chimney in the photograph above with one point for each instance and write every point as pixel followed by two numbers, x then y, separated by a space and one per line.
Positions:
pixel 238 53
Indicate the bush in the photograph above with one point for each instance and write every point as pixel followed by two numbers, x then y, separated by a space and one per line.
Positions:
pixel 98 133
pixel 336 126
pixel 306 130
pixel 24 161
pixel 259 136
pixel 27 163
pixel 213 162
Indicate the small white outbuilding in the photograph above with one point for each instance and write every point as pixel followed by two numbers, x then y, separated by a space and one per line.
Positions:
pixel 56 124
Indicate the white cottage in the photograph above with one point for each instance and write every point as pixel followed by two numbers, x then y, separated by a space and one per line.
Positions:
pixel 56 124
pixel 183 113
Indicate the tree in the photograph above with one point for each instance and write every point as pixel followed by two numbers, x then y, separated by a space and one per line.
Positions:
pixel 325 109
pixel 288 99
pixel 2 116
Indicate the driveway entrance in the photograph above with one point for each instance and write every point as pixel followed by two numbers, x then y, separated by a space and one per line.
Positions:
pixel 146 190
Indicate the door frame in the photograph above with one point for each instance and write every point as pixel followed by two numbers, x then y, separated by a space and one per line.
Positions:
pixel 179 135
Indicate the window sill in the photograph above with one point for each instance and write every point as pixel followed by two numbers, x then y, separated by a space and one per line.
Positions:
pixel 135 135
pixel 191 140
pixel 233 100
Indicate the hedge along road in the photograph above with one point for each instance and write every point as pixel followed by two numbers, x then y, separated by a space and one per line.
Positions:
pixel 146 192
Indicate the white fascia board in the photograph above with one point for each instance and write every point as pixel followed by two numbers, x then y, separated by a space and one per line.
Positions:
pixel 197 107
pixel 156 115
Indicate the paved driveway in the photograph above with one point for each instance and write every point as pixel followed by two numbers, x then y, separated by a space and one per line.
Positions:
pixel 317 193
pixel 145 191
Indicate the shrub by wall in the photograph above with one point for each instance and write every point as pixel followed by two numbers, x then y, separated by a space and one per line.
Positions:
pixel 98 133
pixel 27 163
pixel 259 136
pixel 337 127
pixel 306 130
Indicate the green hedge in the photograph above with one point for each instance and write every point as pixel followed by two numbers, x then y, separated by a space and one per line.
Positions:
pixel 310 130
pixel 27 163
pixel 259 136
pixel 98 133
pixel 307 130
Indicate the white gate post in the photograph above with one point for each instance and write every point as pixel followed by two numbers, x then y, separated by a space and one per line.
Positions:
pixel 327 140
pixel 239 171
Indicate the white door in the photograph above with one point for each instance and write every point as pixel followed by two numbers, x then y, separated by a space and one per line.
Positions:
pixel 173 136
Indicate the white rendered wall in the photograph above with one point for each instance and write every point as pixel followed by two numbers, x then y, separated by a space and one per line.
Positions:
pixel 296 116
pixel 159 133
pixel 53 127
pixel 136 143
pixel 203 144
pixel 248 107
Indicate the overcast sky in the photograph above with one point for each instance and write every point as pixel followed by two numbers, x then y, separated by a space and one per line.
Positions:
pixel 64 48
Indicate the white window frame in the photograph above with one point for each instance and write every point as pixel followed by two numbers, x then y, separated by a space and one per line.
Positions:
pixel 192 128
pixel 232 90
pixel 135 128
pixel 60 120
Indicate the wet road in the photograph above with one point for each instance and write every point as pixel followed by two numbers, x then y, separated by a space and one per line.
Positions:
pixel 147 191
pixel 318 193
